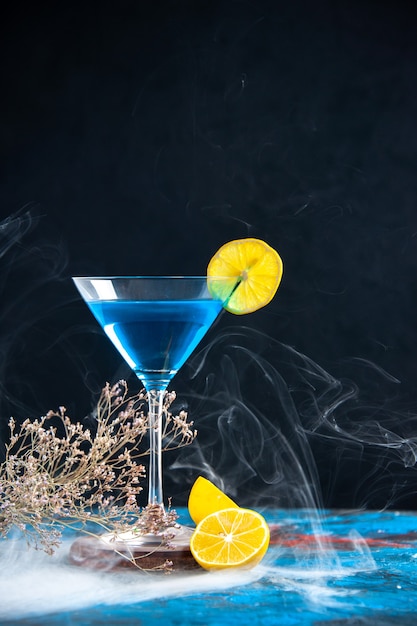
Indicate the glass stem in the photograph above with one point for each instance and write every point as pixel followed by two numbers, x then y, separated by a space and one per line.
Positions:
pixel 155 404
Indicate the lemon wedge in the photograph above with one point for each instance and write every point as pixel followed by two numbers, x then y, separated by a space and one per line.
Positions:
pixel 245 274
pixel 205 498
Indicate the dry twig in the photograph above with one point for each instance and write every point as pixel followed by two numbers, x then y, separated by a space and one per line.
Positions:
pixel 59 474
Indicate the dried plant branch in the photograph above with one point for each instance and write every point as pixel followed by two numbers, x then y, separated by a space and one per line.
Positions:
pixel 59 474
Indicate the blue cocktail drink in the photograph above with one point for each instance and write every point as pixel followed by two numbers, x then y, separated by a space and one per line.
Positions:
pixel 155 337
pixel 155 323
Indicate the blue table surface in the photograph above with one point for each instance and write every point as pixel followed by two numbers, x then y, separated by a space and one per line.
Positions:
pixel 339 568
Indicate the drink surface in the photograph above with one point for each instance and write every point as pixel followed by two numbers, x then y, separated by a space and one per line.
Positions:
pixel 155 337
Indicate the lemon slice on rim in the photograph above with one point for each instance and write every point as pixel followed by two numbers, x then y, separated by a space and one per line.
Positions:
pixel 205 498
pixel 230 538
pixel 245 274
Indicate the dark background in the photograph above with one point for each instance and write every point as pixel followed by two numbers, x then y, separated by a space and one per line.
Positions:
pixel 138 137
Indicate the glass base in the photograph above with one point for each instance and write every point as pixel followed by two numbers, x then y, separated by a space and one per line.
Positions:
pixel 175 537
pixel 167 551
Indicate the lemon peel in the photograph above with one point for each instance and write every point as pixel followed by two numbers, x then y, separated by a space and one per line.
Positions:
pixel 205 498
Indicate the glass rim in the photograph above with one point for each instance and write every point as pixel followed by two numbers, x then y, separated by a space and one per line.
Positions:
pixel 131 277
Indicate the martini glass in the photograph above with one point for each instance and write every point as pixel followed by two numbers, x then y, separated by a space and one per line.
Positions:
pixel 155 323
